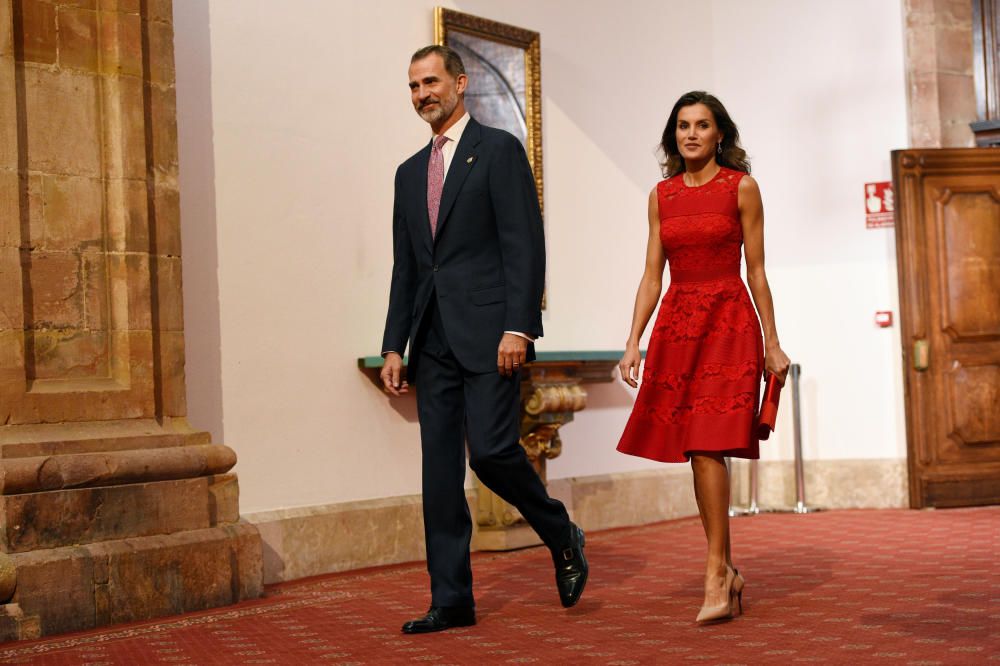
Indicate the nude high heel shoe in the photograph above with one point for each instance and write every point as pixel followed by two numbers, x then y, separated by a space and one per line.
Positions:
pixel 738 584
pixel 722 611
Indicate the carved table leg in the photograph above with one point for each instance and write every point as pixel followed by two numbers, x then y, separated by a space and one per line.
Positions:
pixel 550 394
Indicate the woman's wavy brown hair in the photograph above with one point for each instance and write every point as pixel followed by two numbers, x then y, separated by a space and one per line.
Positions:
pixel 733 156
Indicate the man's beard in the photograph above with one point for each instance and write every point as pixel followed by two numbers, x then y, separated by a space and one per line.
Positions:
pixel 444 108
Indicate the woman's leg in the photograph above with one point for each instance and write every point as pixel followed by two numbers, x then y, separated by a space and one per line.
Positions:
pixel 711 487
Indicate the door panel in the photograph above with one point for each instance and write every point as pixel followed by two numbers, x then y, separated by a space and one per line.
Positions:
pixel 971 254
pixel 975 406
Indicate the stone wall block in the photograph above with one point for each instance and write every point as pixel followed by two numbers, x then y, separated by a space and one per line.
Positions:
pixel 160 10
pixel 140 373
pixel 11 303
pixel 73 212
pixel 52 577
pixel 125 131
pixel 957 135
pixel 138 578
pixel 12 380
pixel 302 542
pixel 6 30
pixel 116 213
pixel 82 4
pixel 117 293
pixel 127 6
pixel 139 315
pixel 163 114
pixel 953 45
pixel 171 304
pixel 102 604
pixel 921 54
pixel 8 113
pixel 63 122
pixel 11 367
pixel 161 52
pixel 224 496
pixel 137 217
pixel 38 20
pixel 91 515
pixel 121 39
pixel 70 354
pixel 954 11
pixel 16 626
pixel 958 109
pixel 248 560
pixel 925 118
pixel 918 10
pixel 168 221
pixel 172 373
pixel 35 201
pixel 78 43
pixel 96 296
pixel 10 209
pixel 172 574
pixel 56 290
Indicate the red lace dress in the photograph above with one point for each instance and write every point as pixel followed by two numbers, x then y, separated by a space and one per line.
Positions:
pixel 701 379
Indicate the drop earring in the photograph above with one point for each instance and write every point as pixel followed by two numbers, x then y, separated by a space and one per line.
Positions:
pixel 718 148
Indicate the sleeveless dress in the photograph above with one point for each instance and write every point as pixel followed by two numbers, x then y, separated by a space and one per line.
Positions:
pixel 701 379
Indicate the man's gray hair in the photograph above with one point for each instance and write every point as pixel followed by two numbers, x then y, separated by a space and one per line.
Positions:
pixel 452 61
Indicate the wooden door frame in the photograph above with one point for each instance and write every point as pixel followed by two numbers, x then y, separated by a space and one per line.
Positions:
pixel 909 168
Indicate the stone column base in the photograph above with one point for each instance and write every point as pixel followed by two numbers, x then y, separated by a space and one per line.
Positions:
pixel 127 580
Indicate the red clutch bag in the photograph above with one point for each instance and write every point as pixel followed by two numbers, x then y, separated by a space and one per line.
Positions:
pixel 769 406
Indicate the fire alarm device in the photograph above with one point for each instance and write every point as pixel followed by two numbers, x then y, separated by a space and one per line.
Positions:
pixel 883 318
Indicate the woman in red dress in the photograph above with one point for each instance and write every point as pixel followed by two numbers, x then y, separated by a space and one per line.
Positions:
pixel 704 364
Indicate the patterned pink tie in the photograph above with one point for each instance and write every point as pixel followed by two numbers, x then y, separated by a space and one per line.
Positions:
pixel 435 181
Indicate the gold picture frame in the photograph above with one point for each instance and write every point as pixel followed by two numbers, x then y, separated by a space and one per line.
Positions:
pixel 504 95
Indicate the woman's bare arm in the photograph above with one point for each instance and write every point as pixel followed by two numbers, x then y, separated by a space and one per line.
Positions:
pixel 647 295
pixel 752 219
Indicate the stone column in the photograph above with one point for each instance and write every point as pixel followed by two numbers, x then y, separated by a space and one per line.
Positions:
pixel 112 508
pixel 941 90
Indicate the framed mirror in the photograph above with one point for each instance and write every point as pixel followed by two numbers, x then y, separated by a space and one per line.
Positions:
pixel 505 80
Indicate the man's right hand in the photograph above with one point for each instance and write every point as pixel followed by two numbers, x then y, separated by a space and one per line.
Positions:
pixel 392 373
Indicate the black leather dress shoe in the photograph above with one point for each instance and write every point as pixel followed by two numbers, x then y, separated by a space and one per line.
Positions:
pixel 571 568
pixel 439 618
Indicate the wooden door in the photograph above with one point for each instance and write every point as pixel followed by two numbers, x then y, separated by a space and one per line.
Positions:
pixel 948 248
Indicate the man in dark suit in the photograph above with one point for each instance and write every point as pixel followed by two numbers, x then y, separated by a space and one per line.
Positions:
pixel 469 265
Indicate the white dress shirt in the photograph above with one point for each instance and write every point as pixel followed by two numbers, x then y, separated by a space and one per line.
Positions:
pixel 454 134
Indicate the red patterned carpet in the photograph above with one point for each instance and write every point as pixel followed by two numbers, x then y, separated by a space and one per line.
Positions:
pixel 847 587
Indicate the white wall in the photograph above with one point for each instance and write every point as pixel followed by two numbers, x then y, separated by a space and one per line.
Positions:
pixel 299 116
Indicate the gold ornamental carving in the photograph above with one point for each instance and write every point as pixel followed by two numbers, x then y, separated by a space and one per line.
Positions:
pixel 544 409
pixel 556 398
pixel 543 443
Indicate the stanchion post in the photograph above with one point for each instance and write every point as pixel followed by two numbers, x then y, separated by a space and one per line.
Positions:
pixel 753 509
pixel 800 481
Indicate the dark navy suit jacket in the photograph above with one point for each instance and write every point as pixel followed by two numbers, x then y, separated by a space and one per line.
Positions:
pixel 486 264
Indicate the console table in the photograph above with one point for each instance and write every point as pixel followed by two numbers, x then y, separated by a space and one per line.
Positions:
pixel 551 391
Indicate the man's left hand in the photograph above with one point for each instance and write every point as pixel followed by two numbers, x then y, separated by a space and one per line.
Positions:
pixel 511 354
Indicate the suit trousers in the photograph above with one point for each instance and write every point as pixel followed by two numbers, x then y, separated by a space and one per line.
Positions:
pixel 455 406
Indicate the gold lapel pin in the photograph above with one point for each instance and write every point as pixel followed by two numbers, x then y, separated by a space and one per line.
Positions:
pixel 469 161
